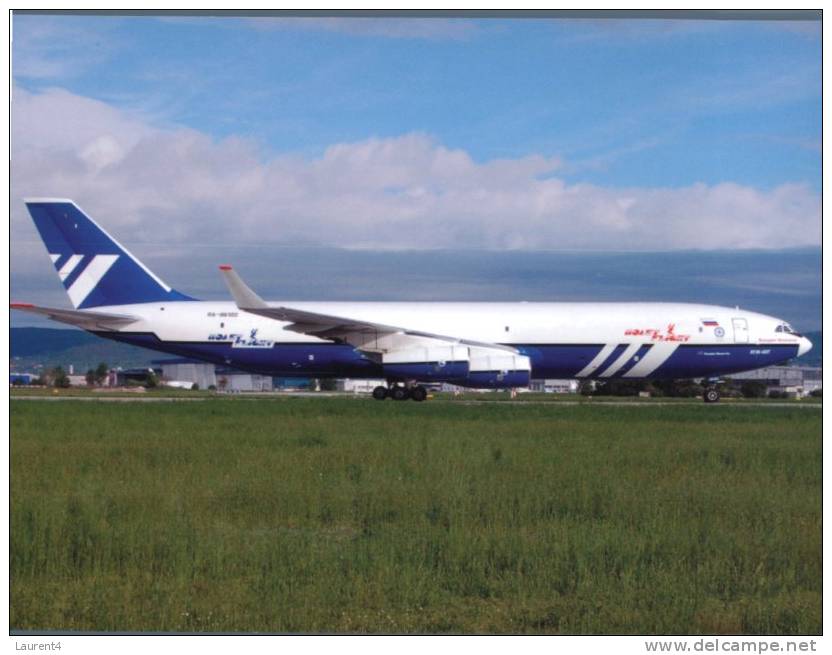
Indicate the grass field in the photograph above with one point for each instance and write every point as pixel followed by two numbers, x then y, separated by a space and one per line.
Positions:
pixel 336 515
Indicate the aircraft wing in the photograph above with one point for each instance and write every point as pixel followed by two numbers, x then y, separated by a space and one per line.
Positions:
pixel 365 335
pixel 80 318
pixel 325 326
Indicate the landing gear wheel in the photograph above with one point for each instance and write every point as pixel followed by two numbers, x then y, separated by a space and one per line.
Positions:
pixel 399 393
pixel 380 393
pixel 418 393
pixel 711 395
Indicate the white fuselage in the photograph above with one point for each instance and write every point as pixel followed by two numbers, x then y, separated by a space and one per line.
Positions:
pixel 508 323
pixel 748 339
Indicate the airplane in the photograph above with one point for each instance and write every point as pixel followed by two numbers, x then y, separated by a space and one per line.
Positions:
pixel 486 345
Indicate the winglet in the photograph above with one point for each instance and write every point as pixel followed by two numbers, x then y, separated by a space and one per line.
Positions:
pixel 240 291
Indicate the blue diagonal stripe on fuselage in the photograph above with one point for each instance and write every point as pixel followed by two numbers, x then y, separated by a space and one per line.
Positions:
pixel 641 352
pixel 615 354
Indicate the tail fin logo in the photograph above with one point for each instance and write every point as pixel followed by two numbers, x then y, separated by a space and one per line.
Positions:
pixel 89 277
pixel 93 267
pixel 80 277
pixel 69 266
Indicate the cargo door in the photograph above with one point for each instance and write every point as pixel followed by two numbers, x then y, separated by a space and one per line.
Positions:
pixel 740 330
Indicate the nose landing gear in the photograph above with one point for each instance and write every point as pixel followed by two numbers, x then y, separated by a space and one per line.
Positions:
pixel 398 391
pixel 711 393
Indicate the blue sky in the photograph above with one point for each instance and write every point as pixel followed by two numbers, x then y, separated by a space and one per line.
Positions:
pixel 646 103
pixel 242 136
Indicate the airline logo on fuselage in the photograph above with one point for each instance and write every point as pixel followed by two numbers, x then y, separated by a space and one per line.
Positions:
pixel 655 334
pixel 240 341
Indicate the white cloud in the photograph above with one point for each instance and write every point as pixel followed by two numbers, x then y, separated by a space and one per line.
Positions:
pixel 179 186
pixel 59 121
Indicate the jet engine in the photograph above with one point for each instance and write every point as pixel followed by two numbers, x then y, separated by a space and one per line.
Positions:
pixel 467 366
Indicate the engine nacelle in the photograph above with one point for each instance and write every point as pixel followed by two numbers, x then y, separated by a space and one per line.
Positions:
pixel 474 366
pixel 427 363
pixel 497 369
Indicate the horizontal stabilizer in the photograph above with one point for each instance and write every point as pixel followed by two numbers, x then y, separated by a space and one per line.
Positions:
pixel 80 318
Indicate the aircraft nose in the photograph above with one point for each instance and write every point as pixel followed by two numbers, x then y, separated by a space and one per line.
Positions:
pixel 804 347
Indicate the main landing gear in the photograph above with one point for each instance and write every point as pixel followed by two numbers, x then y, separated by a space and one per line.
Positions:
pixel 399 391
pixel 711 393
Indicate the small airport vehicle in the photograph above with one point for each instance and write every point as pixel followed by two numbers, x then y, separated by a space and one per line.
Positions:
pixel 470 344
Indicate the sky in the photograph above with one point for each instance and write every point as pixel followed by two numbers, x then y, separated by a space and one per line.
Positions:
pixel 198 138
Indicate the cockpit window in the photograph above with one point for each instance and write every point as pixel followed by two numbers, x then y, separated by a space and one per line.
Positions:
pixel 785 327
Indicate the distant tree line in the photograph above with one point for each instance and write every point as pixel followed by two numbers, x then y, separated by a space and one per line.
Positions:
pixel 55 377
pixel 95 377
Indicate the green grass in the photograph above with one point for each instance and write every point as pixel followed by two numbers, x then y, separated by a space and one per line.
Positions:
pixel 106 392
pixel 331 515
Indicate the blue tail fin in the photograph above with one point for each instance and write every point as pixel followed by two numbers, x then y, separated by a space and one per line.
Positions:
pixel 94 268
